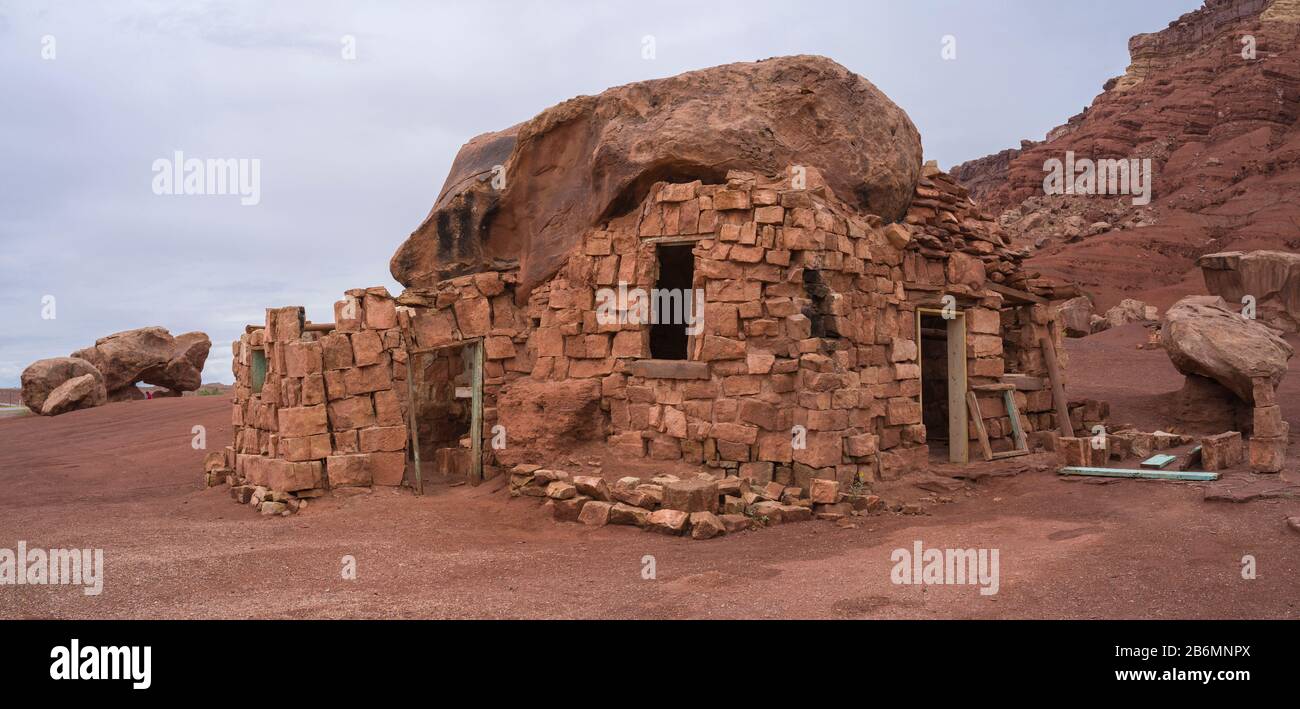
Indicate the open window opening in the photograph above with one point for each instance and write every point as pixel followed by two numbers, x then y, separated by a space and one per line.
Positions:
pixel 672 301
pixel 934 379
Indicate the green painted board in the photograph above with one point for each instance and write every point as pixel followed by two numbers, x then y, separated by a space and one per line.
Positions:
pixel 1158 461
pixel 1130 473
pixel 258 370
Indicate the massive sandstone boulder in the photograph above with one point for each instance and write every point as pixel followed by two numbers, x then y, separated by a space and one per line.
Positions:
pixel 1271 277
pixel 45 376
pixel 532 191
pixel 1204 337
pixel 80 392
pixel 150 355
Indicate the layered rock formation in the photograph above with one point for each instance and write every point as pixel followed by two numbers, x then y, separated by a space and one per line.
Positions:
pixel 1271 278
pixel 1213 102
pixel 528 193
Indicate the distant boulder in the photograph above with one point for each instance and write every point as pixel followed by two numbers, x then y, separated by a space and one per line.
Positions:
pixel 1076 316
pixel 115 364
pixel 1130 311
pixel 184 370
pixel 149 355
pixel 1204 337
pixel 43 377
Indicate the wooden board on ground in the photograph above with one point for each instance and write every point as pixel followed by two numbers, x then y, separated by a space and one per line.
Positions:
pixel 1141 474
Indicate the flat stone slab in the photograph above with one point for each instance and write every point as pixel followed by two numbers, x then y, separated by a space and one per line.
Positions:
pixel 668 369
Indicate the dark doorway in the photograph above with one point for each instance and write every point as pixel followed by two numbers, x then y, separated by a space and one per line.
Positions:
pixel 941 339
pixel 446 395
pixel 934 379
pixel 672 301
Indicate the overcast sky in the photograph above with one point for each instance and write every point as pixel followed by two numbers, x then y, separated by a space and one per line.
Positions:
pixel 353 152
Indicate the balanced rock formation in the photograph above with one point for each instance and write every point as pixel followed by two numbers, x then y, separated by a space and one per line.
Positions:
pixel 1205 338
pixel 1272 278
pixel 45 376
pixel 530 192
pixel 114 366
pixel 150 355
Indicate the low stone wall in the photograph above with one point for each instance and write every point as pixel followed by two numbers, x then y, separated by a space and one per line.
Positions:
pixel 331 410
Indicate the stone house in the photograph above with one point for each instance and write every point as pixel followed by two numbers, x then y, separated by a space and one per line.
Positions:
pixel 832 345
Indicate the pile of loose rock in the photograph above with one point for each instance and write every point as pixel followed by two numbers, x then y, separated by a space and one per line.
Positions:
pixel 1044 220
pixel 945 221
pixel 260 497
pixel 1119 445
pixel 1079 320
pixel 702 507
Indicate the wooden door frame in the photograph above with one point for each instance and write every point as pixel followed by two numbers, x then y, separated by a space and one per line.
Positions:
pixel 475 475
pixel 958 417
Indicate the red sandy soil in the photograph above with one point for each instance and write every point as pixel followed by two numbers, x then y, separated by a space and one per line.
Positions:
pixel 124 478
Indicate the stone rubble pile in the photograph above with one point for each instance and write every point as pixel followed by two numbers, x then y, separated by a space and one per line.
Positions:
pixel 702 507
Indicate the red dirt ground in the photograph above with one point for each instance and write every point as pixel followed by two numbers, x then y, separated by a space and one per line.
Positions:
pixel 124 478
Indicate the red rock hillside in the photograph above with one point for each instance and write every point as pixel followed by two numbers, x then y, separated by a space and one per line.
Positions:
pixel 1220 130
